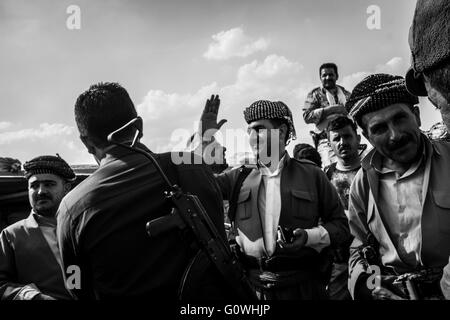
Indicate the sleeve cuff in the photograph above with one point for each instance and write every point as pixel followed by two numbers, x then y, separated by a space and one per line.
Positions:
pixel 28 292
pixel 318 238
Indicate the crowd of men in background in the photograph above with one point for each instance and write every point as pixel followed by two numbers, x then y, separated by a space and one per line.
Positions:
pixel 335 221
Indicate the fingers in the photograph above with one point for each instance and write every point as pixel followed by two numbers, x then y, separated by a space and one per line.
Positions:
pixel 207 106
pixel 215 104
pixel 212 104
pixel 296 245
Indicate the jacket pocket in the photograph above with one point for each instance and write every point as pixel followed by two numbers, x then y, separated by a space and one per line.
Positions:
pixel 304 205
pixel 244 210
pixel 442 200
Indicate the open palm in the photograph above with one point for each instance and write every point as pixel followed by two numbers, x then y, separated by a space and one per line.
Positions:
pixel 208 120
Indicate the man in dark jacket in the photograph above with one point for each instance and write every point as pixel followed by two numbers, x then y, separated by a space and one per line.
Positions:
pixel 101 223
pixel 280 195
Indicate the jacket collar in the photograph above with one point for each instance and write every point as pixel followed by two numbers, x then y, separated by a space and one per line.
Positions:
pixel 284 161
pixel 117 152
pixel 30 221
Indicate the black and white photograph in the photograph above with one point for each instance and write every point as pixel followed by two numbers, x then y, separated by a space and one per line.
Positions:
pixel 223 158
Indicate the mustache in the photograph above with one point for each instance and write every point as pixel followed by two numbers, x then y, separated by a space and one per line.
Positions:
pixel 344 147
pixel 43 197
pixel 397 143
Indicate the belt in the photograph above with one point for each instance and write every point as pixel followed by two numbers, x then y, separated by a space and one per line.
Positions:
pixel 270 280
pixel 278 263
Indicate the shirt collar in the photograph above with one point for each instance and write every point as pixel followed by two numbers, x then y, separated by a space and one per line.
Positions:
pixel 44 221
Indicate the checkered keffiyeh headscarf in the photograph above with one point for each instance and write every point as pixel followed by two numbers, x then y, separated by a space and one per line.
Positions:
pixel 49 164
pixel 376 92
pixel 267 110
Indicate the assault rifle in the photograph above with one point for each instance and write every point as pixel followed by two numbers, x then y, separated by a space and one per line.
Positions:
pixel 422 284
pixel 188 212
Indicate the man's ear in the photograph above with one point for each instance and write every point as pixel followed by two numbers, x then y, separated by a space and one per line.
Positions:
pixel 283 132
pixel 67 187
pixel 416 112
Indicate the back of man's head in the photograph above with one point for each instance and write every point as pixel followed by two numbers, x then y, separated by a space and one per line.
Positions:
pixel 308 152
pixel 101 109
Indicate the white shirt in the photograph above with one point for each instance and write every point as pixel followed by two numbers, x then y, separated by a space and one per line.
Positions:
pixel 401 201
pixel 269 205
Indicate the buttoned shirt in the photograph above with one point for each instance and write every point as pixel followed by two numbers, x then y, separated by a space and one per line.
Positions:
pixel 48 227
pixel 315 103
pixel 401 202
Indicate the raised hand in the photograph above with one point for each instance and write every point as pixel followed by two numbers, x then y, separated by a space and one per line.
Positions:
pixel 208 120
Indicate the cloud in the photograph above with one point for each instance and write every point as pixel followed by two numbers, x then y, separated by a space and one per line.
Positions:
pixel 233 43
pixel 170 118
pixel 5 125
pixel 395 66
pixel 44 131
pixel 168 115
pixel 45 139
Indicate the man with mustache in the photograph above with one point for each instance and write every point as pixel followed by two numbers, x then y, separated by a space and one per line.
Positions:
pixel 30 263
pixel 324 104
pixel 429 75
pixel 399 209
pixel 344 140
pixel 279 196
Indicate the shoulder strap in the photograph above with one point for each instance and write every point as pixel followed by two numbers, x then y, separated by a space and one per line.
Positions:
pixel 243 174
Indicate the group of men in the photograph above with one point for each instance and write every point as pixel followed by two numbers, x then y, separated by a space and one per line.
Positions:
pixel 299 232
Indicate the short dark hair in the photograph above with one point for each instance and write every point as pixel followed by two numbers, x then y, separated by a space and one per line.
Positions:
pixel 308 152
pixel 329 65
pixel 440 78
pixel 101 109
pixel 339 123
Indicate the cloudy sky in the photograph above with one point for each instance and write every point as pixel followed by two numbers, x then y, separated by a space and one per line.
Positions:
pixel 171 55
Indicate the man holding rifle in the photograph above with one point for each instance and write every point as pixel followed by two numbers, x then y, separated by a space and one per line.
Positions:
pixel 101 223
pixel 399 210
